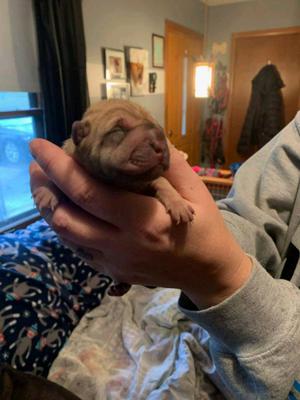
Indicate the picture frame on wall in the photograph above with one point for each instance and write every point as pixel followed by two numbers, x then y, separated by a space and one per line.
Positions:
pixel 117 90
pixel 158 45
pixel 137 62
pixel 114 64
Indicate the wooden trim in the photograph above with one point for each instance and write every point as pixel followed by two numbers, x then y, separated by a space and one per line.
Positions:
pixel 175 25
pixel 21 223
pixel 217 181
pixel 266 32
pixel 21 113
pixel 29 221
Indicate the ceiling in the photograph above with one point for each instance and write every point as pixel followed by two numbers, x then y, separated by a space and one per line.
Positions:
pixel 221 2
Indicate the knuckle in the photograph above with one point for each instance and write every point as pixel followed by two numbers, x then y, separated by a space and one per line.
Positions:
pixel 150 233
pixel 60 225
pixel 84 196
pixel 154 236
pixel 48 165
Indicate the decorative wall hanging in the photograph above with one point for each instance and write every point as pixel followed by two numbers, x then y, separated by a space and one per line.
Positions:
pixel 157 51
pixel 138 71
pixel 117 90
pixel 114 64
pixel 152 82
pixel 219 48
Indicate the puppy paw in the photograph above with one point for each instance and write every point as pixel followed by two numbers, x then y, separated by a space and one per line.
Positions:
pixel 46 198
pixel 180 211
pixel 178 208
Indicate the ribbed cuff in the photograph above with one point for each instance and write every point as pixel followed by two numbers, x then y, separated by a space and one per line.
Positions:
pixel 250 317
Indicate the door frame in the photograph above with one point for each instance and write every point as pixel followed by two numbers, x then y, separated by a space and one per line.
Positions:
pixel 173 25
pixel 234 38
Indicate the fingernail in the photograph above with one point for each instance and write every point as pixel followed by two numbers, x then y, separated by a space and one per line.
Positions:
pixel 46 213
pixel 32 149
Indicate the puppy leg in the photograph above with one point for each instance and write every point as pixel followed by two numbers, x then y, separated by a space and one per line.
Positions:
pixel 176 206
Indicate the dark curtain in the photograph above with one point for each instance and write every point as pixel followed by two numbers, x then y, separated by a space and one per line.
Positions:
pixel 62 64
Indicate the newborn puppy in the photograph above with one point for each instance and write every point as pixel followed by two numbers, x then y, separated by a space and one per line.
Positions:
pixel 120 143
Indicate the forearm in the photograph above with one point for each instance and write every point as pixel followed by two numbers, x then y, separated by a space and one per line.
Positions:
pixel 227 267
pixel 255 336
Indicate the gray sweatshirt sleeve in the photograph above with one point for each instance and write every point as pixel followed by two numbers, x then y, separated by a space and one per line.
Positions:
pixel 254 338
pixel 255 333
pixel 259 205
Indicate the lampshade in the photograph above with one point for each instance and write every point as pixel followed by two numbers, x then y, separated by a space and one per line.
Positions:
pixel 203 79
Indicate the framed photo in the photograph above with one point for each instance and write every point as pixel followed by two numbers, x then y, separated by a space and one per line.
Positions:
pixel 158 51
pixel 137 60
pixel 117 90
pixel 114 64
pixel 152 82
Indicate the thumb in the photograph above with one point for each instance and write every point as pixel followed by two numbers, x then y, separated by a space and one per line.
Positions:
pixel 184 179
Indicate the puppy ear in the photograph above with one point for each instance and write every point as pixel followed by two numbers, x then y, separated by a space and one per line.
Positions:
pixel 80 129
pixel 124 124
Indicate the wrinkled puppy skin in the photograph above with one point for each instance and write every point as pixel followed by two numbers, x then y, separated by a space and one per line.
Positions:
pixel 120 143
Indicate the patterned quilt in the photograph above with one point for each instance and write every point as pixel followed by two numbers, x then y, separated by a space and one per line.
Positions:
pixel 44 291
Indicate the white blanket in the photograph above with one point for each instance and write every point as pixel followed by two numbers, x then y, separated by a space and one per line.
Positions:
pixel 136 347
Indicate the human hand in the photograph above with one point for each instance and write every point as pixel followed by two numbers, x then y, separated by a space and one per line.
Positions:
pixel 131 238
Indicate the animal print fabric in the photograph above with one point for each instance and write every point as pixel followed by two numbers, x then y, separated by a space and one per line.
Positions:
pixel 44 291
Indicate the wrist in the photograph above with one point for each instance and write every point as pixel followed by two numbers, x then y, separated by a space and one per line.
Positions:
pixel 220 285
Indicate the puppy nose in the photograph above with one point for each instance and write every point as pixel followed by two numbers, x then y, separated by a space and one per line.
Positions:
pixel 157 146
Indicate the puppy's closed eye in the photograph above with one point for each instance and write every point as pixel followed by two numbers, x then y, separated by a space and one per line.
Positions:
pixel 113 137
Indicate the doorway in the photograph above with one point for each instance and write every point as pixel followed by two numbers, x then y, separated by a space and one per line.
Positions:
pixel 182 110
pixel 250 52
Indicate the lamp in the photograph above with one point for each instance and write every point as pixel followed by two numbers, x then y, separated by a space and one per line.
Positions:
pixel 204 79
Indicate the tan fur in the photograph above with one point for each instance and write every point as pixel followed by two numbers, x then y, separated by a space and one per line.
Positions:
pixel 103 116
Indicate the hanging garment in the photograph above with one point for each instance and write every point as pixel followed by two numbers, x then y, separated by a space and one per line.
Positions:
pixel 265 114
pixel 213 141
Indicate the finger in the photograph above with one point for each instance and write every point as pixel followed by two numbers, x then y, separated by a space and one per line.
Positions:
pixel 184 179
pixel 96 260
pixel 45 194
pixel 73 224
pixel 37 176
pixel 91 257
pixel 98 199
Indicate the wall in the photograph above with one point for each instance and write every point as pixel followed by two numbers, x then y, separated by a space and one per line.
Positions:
pixel 249 16
pixel 119 23
pixel 19 65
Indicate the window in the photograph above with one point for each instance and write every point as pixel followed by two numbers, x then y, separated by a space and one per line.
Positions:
pixel 20 122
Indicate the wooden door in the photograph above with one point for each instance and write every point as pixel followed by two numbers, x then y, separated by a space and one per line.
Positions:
pixel 250 52
pixel 182 109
